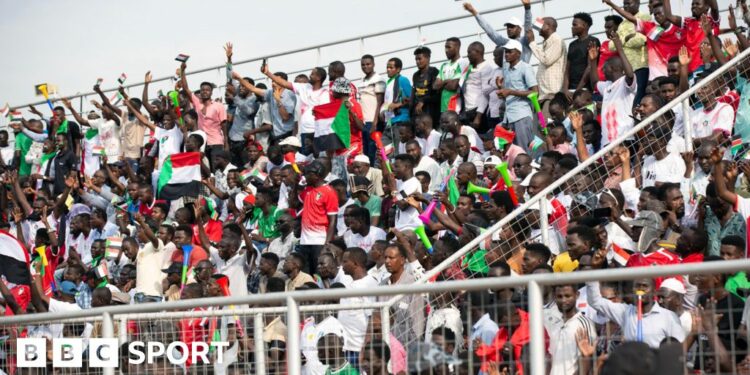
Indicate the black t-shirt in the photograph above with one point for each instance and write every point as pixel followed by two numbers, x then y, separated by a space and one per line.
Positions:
pixel 422 91
pixel 578 60
pixel 730 309
pixel 63 163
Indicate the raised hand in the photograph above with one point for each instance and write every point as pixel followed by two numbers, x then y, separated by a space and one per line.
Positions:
pixel 35 111
pixel 684 56
pixel 183 66
pixel 264 68
pixel 530 35
pixel 66 103
pixel 731 47
pixel 470 8
pixel 228 50
pixel 148 77
pixel 593 51
pixel 731 18
pixel 526 2
pixel 583 343
pixel 706 25
pixel 122 92
pixel 576 120
pixel 236 75
pixel 624 154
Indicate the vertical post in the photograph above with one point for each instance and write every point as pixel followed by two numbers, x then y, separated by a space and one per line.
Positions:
pixel 544 220
pixel 361 46
pixel 123 323
pixel 687 124
pixel 80 104
pixel 537 328
pixel 108 332
pixel 260 358
pixel 385 320
pixel 317 56
pixel 293 360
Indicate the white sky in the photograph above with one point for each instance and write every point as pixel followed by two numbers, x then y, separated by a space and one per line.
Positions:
pixel 82 40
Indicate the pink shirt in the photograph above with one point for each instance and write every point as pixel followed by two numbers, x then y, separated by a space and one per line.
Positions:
pixel 398 355
pixel 564 148
pixel 210 122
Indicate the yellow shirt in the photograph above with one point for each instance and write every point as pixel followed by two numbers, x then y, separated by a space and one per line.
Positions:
pixel 635 47
pixel 563 263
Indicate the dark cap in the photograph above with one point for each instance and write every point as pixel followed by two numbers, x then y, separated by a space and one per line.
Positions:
pixel 173 268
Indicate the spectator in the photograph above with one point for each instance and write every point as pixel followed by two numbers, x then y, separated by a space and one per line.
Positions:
pixel 551 56
pixel 517 83
pixel 576 69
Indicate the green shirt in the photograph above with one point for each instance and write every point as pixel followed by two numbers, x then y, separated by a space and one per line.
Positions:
pixel 23 144
pixel 373 205
pixel 738 281
pixel 348 369
pixel 449 71
pixel 475 262
pixel 266 224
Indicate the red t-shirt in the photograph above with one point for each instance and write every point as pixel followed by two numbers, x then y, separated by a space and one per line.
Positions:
pixel 213 230
pixel 604 55
pixel 198 254
pixel 193 330
pixel 318 203
pixel 662 44
pixel 694 36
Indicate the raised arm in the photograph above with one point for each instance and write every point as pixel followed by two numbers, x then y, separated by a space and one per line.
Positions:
pixel 144 97
pixel 183 81
pixel 629 75
pixel 248 85
pixel 716 50
pixel 722 190
pixel 276 79
pixel 147 230
pixel 624 13
pixel 106 102
pixel 138 115
pixel 75 114
pixel 495 36
pixel 684 58
pixel 593 61
pixel 741 37
pixel 675 20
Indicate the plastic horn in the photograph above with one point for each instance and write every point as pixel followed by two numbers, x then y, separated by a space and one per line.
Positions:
pixel 425 216
pixel 289 158
pixel 43 90
pixel 472 189
pixel 186 249
pixel 639 328
pixel 174 96
pixel 423 237
pixel 378 138
pixel 224 284
pixel 503 169
pixel 534 97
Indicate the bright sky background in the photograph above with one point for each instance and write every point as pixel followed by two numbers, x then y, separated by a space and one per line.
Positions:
pixel 71 43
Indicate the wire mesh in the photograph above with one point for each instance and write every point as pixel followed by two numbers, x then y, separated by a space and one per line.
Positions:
pixel 667 155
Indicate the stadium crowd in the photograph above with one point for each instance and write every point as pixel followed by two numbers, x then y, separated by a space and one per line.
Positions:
pixel 316 182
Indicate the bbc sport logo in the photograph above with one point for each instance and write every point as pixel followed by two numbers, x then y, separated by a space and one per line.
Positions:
pixel 68 352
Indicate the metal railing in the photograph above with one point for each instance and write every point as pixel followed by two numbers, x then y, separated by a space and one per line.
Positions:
pixel 534 283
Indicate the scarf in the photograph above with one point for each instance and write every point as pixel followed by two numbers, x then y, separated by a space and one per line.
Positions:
pixel 63 129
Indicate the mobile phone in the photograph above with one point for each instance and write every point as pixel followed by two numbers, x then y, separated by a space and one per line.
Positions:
pixel 603 212
pixel 263 64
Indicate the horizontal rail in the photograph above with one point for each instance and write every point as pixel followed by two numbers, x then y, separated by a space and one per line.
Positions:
pixel 726 267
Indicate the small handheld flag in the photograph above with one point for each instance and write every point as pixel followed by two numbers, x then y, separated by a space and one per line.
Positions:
pixel 122 78
pixel 536 143
pixel 99 81
pixel 16 116
pixel 174 96
pixel 736 146
pixel 5 111
pixel 182 57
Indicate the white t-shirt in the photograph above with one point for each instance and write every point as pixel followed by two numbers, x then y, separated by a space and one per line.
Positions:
pixel 669 169
pixel 408 218
pixel 429 165
pixel 617 104
pixel 355 321
pixel 368 90
pixel 148 266
pixel 365 243
pixel 340 226
pixel 60 306
pixel 719 118
pixel 432 143
pixel 91 155
pixel 109 135
pixel 474 139
pixel 7 153
pixel 170 142
pixel 307 98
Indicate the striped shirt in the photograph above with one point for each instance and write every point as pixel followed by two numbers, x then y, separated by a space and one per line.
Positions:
pixel 563 347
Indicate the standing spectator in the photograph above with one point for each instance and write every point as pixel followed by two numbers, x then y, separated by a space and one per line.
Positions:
pixel 425 99
pixel 212 116
pixel 293 269
pixel 517 83
pixel 476 87
pixel 691 26
pixel 410 319
pixel 496 103
pixel 576 69
pixel 361 233
pixel 281 104
pixel 617 92
pixel 354 322
pixel 551 56
pixel 246 105
pixel 450 75
pixel 371 93
pixel 283 244
pixel 319 214
pixel 563 324
pixel 513 27
pixel 397 95
pixel 634 43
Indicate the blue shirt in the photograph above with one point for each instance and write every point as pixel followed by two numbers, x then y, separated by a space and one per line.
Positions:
pixel 402 114
pixel 244 115
pixel 288 100
pixel 520 77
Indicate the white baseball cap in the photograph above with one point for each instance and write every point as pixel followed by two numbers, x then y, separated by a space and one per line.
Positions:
pixel 513 44
pixel 514 21
pixel 291 141
pixel 673 285
pixel 492 160
pixel 362 159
